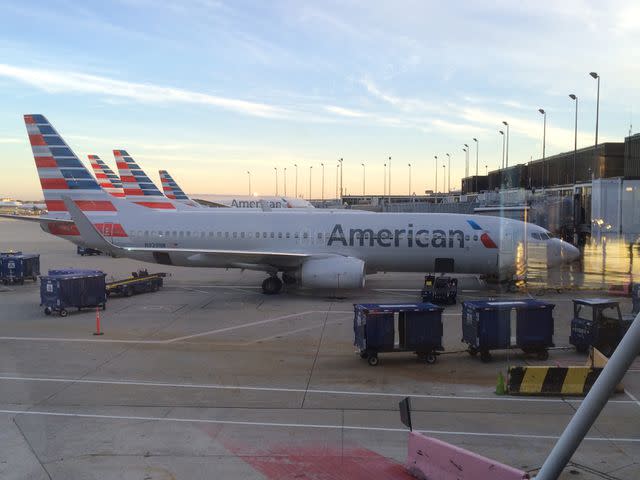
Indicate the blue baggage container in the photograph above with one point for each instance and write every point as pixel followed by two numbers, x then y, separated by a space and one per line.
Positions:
pixel 65 289
pixel 18 267
pixel 415 327
pixel 487 325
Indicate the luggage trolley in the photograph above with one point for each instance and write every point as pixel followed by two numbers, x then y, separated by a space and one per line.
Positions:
pixel 491 324
pixel 382 328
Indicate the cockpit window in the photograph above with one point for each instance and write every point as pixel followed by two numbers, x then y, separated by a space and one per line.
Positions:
pixel 540 236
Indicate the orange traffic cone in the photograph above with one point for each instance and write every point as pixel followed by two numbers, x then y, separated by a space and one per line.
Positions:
pixel 98 332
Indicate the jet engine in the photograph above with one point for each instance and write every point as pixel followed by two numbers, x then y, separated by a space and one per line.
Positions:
pixel 332 272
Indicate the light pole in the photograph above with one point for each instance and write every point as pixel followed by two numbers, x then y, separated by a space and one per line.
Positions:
pixel 596 77
pixel 506 158
pixel 249 175
pixel 310 172
pixel 466 160
pixel 285 181
pixel 575 137
pixel 409 179
pixel 384 183
pixel 503 139
pixel 449 174
pixel 389 179
pixel 436 189
pixel 296 165
pixel 364 172
pixel 486 169
pixel 444 173
pixel 544 141
pixel 276 170
pixel 337 176
pixel 477 155
pixel 340 179
pixel 322 194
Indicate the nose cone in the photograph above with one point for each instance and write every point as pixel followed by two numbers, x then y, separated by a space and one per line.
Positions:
pixel 568 252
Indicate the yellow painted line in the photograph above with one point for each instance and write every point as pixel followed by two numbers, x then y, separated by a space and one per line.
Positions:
pixel 574 381
pixel 533 379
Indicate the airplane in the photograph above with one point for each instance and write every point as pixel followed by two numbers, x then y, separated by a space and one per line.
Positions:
pixel 139 188
pixel 328 249
pixel 107 179
pixel 254 201
pixel 173 191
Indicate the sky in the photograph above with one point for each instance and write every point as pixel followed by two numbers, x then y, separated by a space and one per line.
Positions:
pixel 211 90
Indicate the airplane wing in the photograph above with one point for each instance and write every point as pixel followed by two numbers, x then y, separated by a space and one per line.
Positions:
pixel 238 258
pixel 29 218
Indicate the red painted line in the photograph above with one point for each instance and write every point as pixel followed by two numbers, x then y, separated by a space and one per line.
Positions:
pixel 37 140
pixel 46 162
pixel 54 184
pixel 157 205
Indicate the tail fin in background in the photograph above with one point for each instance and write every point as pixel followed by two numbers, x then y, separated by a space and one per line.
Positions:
pixel 173 191
pixel 61 172
pixel 108 180
pixel 137 186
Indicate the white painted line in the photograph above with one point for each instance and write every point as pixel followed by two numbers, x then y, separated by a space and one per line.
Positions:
pixel 294 390
pixel 304 425
pixel 630 395
pixel 176 339
pixel 288 332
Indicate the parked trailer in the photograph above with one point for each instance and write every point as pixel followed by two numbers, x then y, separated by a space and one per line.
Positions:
pixel 16 267
pixel 381 328
pixel 490 325
pixel 139 282
pixel 61 290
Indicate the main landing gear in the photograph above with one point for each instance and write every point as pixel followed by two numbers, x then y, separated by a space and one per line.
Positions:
pixel 271 285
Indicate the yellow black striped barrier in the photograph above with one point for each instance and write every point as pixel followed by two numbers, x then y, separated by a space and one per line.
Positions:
pixel 551 380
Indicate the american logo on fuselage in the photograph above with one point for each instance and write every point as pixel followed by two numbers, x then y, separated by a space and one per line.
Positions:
pixel 399 237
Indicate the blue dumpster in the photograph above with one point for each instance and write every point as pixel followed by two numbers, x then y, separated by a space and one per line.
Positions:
pixel 414 327
pixel 491 325
pixel 17 267
pixel 61 290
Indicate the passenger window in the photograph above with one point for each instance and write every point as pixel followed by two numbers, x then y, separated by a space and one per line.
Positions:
pixel 319 236
pixel 188 233
pixel 279 234
pixel 181 234
pixel 305 235
pixel 250 234
pixel 219 234
pixel 226 234
pixel 235 234
pixel 475 238
pixel 296 235
pixel 288 235
pixel 466 237
pixel 241 234
pixel 166 234
pixel 273 235
pixel 146 233
pixel 175 233
pixel 211 234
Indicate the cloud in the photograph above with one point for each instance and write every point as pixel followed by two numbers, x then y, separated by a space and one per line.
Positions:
pixel 345 112
pixel 11 140
pixel 55 81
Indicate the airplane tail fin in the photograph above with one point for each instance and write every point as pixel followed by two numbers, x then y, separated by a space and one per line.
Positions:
pixel 108 180
pixel 62 173
pixel 170 187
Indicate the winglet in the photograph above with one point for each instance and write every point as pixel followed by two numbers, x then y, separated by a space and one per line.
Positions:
pixel 88 232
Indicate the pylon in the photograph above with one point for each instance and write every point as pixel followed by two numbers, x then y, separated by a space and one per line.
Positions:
pixel 98 332
pixel 500 388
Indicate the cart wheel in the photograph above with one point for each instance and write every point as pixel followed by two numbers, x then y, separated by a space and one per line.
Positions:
pixel 473 351
pixel 373 360
pixel 430 358
pixel 47 311
pixel 543 355
pixel 63 313
pixel 485 356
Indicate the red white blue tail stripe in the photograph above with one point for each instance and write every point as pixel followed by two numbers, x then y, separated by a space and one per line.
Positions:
pixel 107 179
pixel 173 191
pixel 137 186
pixel 61 172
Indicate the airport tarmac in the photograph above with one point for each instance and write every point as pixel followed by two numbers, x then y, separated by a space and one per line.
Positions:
pixel 209 378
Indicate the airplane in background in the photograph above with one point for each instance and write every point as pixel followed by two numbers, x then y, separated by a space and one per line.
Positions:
pixel 107 179
pixel 138 187
pixel 326 249
pixel 173 191
pixel 254 201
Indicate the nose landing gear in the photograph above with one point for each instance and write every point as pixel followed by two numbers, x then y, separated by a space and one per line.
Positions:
pixel 271 285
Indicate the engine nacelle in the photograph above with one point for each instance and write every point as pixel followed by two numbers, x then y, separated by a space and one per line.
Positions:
pixel 332 272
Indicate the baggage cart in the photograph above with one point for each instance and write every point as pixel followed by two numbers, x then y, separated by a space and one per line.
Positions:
pixel 597 322
pixel 504 324
pixel 62 290
pixel 17 267
pixel 382 328
pixel 139 282
pixel 440 290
